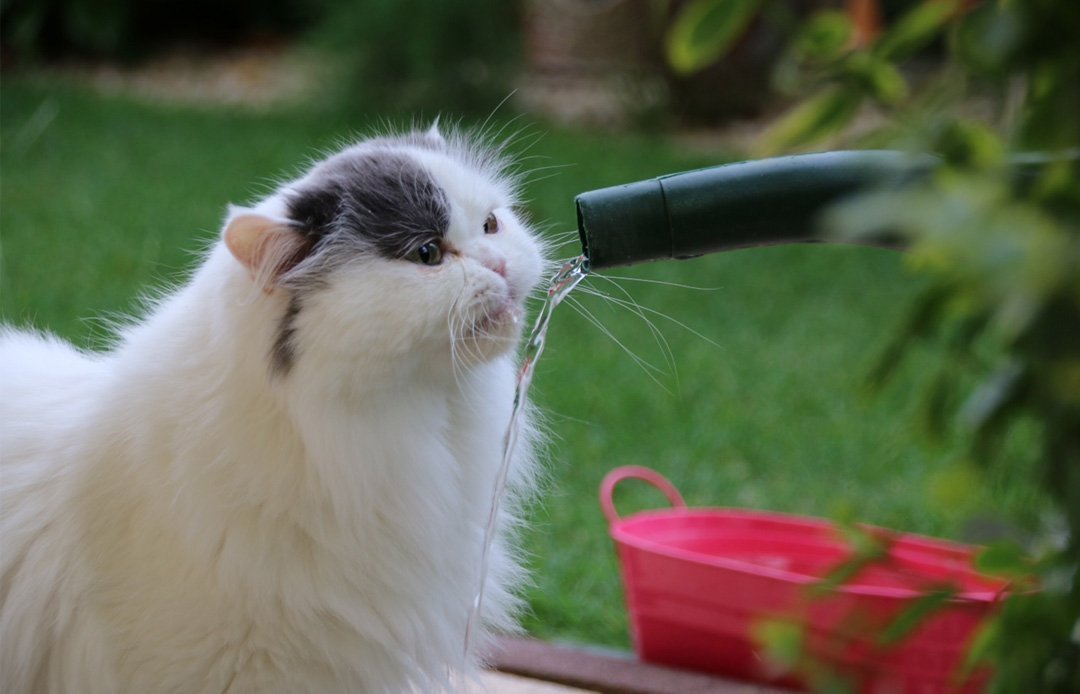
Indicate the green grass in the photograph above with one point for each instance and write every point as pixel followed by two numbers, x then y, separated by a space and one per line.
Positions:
pixel 104 198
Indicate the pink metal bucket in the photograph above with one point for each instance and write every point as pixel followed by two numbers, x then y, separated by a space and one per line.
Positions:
pixel 698 581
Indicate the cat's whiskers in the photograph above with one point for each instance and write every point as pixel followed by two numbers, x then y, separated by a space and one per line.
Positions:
pixel 634 307
pixel 467 331
pixel 483 126
pixel 559 241
pixel 646 280
pixel 455 368
pixel 639 308
pixel 515 137
pixel 514 165
pixel 456 323
pixel 645 314
pixel 529 176
pixel 651 371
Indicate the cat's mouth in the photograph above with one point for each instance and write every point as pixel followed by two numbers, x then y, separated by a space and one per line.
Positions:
pixel 497 322
pixel 491 324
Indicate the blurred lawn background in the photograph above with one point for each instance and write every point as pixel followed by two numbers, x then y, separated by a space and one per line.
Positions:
pixel 760 403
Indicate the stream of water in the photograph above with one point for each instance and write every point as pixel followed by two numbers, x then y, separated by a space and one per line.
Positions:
pixel 560 285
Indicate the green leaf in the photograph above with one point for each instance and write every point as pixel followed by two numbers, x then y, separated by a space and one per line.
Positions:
pixel 844 572
pixel 970 143
pixel 1003 559
pixel 705 30
pixel 1057 184
pixel 1051 105
pixel 877 77
pixel 782 640
pixel 826 36
pixel 915 614
pixel 818 117
pixel 989 37
pixel 986 640
pixel 917 28
pixel 985 407
pixel 920 323
pixel 936 405
pixel 886 83
pixel 867 548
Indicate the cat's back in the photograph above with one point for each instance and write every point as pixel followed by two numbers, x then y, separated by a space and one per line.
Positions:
pixel 46 387
pixel 47 391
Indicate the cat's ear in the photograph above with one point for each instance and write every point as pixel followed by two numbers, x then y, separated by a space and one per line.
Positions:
pixel 267 246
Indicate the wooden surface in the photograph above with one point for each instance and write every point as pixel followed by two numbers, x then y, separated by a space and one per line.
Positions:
pixel 504 683
pixel 606 672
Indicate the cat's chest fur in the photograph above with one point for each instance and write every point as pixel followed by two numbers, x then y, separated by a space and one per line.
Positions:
pixel 281 479
pixel 286 597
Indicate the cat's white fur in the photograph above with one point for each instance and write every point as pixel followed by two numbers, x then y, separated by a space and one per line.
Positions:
pixel 174 517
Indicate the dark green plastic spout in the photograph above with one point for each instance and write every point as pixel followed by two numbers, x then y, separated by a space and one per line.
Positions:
pixel 753 203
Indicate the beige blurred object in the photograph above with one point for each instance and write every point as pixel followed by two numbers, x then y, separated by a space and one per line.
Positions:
pixel 589 61
pixel 255 76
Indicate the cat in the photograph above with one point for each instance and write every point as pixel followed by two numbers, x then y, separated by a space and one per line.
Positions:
pixel 280 479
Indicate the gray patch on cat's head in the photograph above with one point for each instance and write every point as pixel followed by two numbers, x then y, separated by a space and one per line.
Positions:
pixel 380 196
pixel 372 199
pixel 284 352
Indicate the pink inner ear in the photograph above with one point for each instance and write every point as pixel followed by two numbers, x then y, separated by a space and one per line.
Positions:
pixel 266 246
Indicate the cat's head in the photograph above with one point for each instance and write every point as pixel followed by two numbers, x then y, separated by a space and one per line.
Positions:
pixel 406 245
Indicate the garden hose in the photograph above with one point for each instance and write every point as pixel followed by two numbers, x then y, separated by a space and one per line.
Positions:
pixel 746 204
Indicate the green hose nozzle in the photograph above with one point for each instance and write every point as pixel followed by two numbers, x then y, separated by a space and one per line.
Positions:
pixel 753 203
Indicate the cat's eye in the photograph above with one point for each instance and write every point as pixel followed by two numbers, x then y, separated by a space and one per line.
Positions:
pixel 491 224
pixel 428 254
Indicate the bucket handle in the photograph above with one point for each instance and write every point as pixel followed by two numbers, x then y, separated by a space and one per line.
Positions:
pixel 637 472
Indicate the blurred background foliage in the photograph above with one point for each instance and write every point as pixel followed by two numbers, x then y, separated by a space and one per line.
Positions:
pixel 397 56
pixel 132 29
pixel 456 55
pixel 999 243
pixel 413 55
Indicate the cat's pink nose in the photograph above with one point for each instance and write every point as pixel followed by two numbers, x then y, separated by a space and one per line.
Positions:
pixel 497 265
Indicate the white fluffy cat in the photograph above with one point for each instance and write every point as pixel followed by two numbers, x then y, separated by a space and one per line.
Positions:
pixel 279 480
